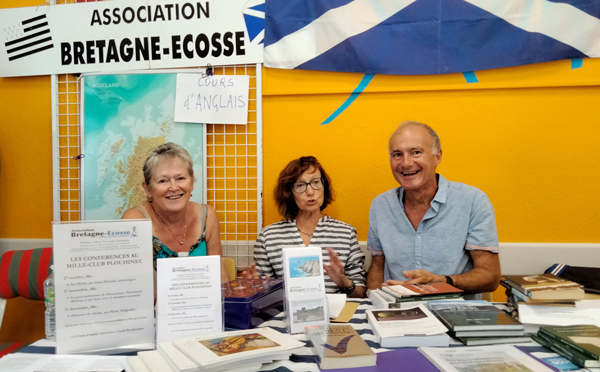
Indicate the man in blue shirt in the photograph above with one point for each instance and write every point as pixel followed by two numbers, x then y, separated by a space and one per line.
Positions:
pixel 430 229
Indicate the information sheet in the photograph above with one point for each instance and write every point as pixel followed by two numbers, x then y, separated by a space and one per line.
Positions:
pixel 103 285
pixel 306 302
pixel 188 297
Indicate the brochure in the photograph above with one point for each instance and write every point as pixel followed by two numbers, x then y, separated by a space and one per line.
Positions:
pixel 305 299
pixel 188 297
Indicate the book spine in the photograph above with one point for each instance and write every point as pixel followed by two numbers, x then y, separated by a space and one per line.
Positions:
pixel 446 322
pixel 550 335
pixel 428 298
pixel 575 357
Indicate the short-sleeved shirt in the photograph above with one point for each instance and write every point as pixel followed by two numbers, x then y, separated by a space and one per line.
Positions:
pixel 329 233
pixel 460 218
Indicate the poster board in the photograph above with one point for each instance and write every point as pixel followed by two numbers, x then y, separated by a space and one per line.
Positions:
pixel 125 116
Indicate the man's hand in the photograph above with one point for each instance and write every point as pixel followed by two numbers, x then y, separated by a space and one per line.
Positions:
pixel 417 277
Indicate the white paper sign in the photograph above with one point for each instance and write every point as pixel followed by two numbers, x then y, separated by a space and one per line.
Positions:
pixel 128 35
pixel 103 285
pixel 306 302
pixel 216 99
pixel 188 297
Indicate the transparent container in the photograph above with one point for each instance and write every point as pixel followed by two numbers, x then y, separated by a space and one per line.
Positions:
pixel 50 306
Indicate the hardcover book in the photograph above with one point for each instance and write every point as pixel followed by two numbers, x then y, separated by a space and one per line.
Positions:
pixel 477 318
pixel 480 341
pixel 583 338
pixel 421 292
pixel 339 346
pixel 545 287
pixel 412 327
pixel 567 352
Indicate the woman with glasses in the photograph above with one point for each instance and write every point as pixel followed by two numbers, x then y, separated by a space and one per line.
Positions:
pixel 303 190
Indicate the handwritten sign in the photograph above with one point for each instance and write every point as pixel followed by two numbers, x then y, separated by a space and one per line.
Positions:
pixel 216 99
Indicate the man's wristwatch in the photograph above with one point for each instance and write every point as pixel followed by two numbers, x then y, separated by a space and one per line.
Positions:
pixel 449 280
pixel 348 290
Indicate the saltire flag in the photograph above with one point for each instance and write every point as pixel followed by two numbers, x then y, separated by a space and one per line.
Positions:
pixel 422 37
pixel 27 37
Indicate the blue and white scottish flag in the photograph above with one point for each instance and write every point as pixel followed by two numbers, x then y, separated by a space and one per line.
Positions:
pixel 414 37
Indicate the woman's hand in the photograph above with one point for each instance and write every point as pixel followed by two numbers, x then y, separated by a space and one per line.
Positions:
pixel 336 270
pixel 251 273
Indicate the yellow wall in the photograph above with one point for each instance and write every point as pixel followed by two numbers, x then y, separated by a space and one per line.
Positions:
pixel 533 150
pixel 527 136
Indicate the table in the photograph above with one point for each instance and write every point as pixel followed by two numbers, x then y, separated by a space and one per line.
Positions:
pixel 301 360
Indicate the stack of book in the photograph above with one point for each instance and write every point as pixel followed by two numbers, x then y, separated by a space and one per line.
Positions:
pixel 541 289
pixel 527 294
pixel 405 296
pixel 579 343
pixel 480 323
pixel 412 327
pixel 340 346
pixel 237 351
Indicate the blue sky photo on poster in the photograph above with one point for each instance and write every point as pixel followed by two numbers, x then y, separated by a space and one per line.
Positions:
pixel 125 117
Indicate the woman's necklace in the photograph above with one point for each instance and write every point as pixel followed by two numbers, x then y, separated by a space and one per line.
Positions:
pixel 167 226
pixel 307 234
pixel 302 232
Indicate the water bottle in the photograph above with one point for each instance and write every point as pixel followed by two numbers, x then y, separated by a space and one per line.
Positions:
pixel 50 307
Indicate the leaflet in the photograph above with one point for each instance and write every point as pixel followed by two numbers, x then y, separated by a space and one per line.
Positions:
pixel 188 297
pixel 306 302
pixel 103 285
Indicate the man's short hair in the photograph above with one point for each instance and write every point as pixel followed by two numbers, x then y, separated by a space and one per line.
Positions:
pixel 437 145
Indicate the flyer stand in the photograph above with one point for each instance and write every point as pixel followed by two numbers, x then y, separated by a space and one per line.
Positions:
pixel 305 301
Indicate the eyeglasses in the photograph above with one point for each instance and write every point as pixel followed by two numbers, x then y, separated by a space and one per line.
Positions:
pixel 316 184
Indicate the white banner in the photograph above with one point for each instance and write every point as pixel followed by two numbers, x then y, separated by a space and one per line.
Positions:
pixel 212 99
pixel 129 35
pixel 103 276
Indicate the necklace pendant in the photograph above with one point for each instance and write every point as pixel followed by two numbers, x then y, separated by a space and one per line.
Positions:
pixel 181 243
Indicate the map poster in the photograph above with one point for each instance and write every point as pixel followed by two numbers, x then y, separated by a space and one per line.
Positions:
pixel 103 276
pixel 126 116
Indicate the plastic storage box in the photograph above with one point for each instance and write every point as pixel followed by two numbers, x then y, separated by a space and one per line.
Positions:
pixel 250 302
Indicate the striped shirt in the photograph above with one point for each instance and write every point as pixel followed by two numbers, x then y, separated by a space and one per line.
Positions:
pixel 329 233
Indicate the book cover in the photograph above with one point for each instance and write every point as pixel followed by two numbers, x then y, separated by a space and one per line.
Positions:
pixel 564 350
pixel 251 346
pixel 415 326
pixel 339 346
pixel 545 287
pixel 541 282
pixel 503 358
pixel 583 338
pixel 554 361
pixel 409 290
pixel 477 318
